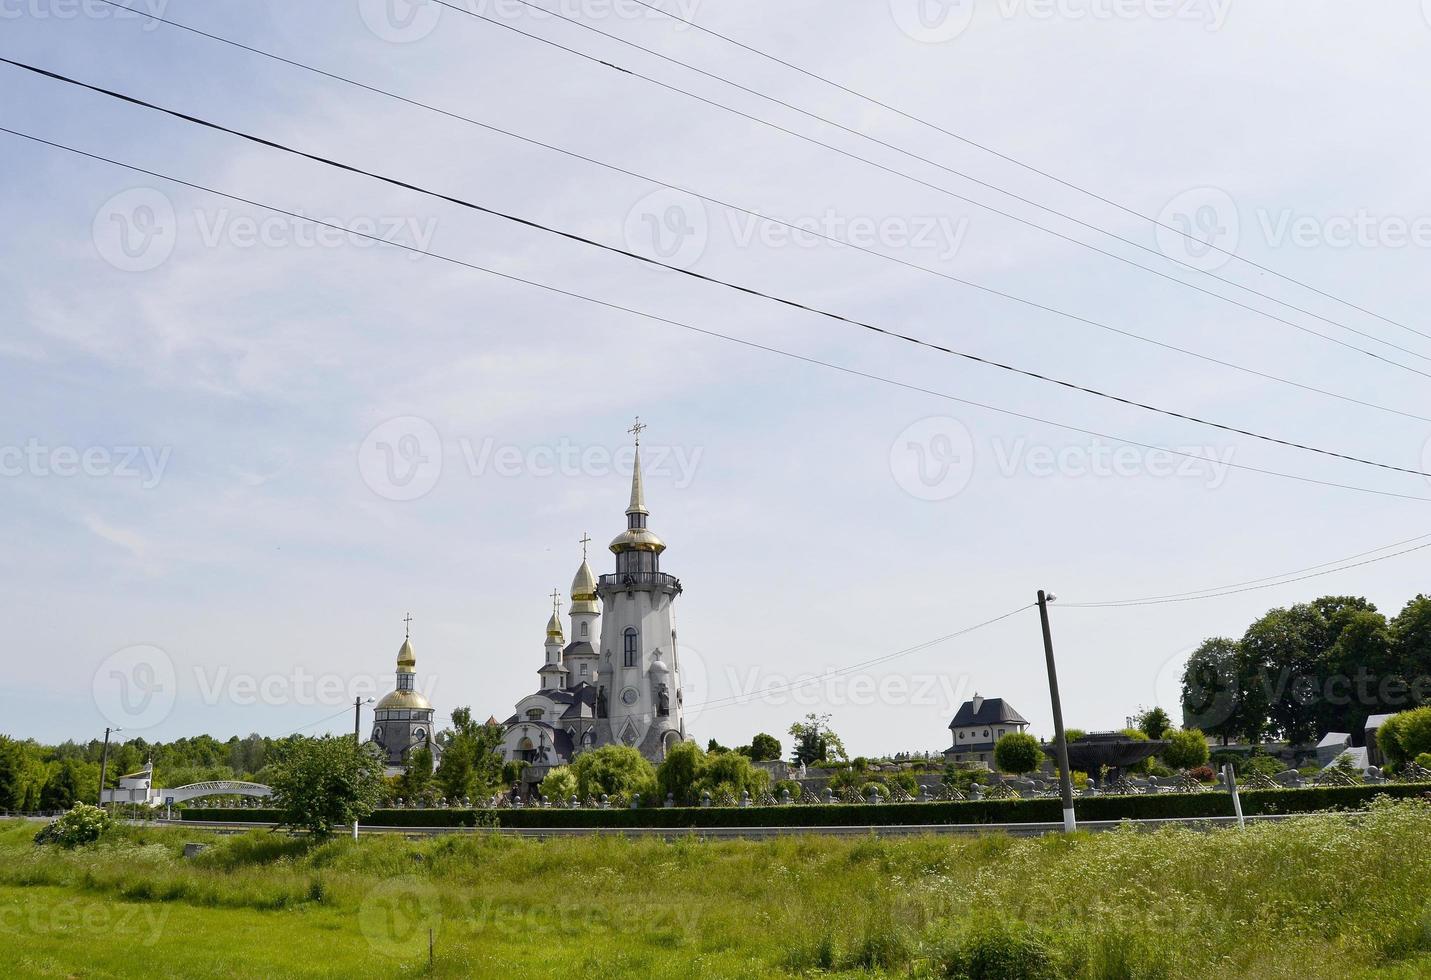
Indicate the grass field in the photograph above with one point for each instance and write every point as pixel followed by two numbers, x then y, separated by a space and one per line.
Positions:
pixel 1316 897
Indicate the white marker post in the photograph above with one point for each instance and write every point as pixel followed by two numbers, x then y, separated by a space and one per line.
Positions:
pixel 1230 778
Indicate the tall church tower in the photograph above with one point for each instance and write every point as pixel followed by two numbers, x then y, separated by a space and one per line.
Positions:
pixel 553 671
pixel 583 662
pixel 640 679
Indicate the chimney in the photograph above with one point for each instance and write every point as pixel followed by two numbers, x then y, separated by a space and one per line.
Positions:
pixel 977 703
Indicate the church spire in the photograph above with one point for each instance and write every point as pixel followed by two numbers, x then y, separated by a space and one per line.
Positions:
pixel 638 492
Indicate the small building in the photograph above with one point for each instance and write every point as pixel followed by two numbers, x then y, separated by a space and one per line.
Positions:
pixel 137 787
pixel 977 727
pixel 1373 750
pixel 1331 747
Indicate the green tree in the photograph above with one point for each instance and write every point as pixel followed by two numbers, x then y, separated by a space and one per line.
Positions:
pixel 417 784
pixel 471 765
pixel 322 782
pixel 22 774
pixel 764 748
pixel 1212 695
pixel 1410 637
pixel 1187 749
pixel 1405 736
pixel 815 740
pixel 733 772
pixel 559 785
pixel 613 769
pixel 67 782
pixel 1154 722
pixel 678 774
pixel 1018 752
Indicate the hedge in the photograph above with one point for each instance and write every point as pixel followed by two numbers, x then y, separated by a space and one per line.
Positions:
pixel 1044 810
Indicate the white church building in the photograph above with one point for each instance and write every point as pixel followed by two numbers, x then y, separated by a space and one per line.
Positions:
pixel 616 680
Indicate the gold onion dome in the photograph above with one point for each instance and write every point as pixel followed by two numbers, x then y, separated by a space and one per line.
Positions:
pixel 637 539
pixel 407 660
pixel 554 628
pixel 583 590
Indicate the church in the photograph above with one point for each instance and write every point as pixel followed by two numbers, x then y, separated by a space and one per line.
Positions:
pixel 615 679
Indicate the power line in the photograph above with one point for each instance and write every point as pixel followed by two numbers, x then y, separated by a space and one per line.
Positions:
pixel 768 219
pixel 746 290
pixel 1020 163
pixel 936 187
pixel 1195 596
pixel 656 318
pixel 738 699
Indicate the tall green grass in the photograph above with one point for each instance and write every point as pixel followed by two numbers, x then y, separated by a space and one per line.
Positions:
pixel 1318 896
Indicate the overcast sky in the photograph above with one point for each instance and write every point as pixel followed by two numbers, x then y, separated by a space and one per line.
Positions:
pixel 237 453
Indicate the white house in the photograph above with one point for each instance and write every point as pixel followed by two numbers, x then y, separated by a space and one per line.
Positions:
pixel 977 727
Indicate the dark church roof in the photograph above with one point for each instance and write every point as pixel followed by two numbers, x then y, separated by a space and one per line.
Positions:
pixel 989 711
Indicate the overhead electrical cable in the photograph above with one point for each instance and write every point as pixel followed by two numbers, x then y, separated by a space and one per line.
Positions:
pixel 1121 604
pixel 746 290
pixel 656 318
pixel 984 147
pixel 767 219
pixel 943 190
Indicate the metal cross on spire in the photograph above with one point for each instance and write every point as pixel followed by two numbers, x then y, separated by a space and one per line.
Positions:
pixel 637 429
pixel 407 624
pixel 585 540
pixel 556 603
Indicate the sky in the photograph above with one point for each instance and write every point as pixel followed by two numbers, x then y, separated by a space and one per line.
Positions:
pixel 237 451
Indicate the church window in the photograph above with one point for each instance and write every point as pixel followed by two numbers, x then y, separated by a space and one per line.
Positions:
pixel 584 630
pixel 583 670
pixel 630 696
pixel 534 714
pixel 630 648
pixel 419 734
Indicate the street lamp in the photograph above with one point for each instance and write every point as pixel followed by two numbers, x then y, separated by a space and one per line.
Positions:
pixel 104 762
pixel 357 715
pixel 1060 741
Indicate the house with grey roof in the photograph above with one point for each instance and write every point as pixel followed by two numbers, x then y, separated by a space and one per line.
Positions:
pixel 977 727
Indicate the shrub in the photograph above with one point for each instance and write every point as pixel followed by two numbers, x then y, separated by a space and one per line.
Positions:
pixel 733 772
pixel 1424 760
pixel 614 769
pixel 677 775
pixel 1203 774
pixel 82 825
pixel 559 785
pixel 1186 749
pixel 1000 952
pixel 1018 752
pixel 320 782
pixel 878 789
pixel 1265 764
pixel 790 786
pixel 1405 736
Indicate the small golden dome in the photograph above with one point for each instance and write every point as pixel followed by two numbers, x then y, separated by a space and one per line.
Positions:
pixel 583 587
pixel 409 700
pixel 637 539
pixel 554 628
pixel 407 660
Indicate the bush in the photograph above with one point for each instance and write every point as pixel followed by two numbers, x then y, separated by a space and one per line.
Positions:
pixel 1001 952
pixel 878 789
pixel 1186 749
pixel 1265 764
pixel 82 825
pixel 1405 736
pixel 559 785
pixel 614 769
pixel 1203 774
pixel 677 775
pixel 1018 752
pixel 790 786
pixel 1424 760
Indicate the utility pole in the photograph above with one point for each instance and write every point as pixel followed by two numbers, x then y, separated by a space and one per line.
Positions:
pixel 1060 741
pixel 358 703
pixel 104 763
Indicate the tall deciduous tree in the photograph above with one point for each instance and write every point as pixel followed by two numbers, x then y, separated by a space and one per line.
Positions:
pixel 322 782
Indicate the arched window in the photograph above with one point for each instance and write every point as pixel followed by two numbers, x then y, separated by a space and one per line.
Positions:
pixel 584 630
pixel 629 654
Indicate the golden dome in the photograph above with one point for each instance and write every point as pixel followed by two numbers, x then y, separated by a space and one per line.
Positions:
pixel 584 585
pixel 554 628
pixel 410 700
pixel 407 660
pixel 637 539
